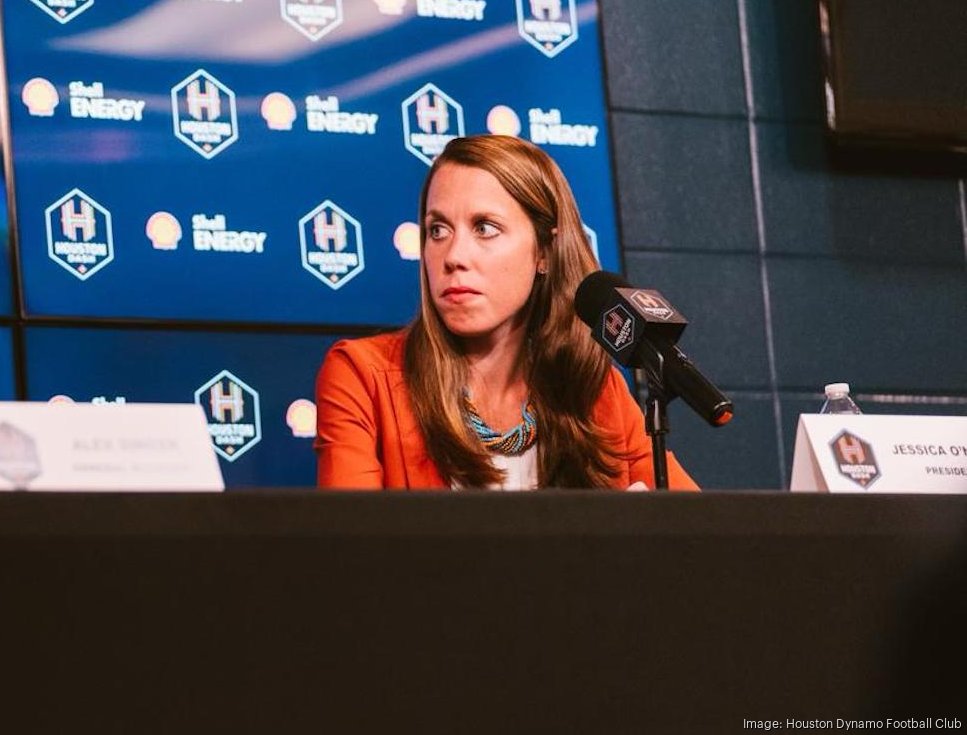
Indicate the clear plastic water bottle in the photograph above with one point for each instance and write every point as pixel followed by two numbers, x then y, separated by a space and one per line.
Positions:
pixel 838 400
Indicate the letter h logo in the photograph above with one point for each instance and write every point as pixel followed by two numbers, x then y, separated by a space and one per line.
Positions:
pixel 613 322
pixel 432 114
pixel 851 449
pixel 230 402
pixel 200 102
pixel 72 220
pixel 330 234
pixel 546 9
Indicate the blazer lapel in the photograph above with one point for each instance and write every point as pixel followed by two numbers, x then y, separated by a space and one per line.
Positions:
pixel 418 470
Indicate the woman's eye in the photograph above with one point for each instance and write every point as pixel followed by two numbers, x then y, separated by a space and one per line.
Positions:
pixel 487 229
pixel 435 231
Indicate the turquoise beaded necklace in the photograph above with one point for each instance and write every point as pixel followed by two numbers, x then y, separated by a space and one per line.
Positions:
pixel 512 442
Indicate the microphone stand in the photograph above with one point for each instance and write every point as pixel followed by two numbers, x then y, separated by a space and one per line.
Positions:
pixel 656 426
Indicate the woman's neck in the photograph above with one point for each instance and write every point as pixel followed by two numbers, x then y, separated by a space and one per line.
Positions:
pixel 496 378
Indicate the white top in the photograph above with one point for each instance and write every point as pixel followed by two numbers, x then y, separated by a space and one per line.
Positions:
pixel 837 389
pixel 521 471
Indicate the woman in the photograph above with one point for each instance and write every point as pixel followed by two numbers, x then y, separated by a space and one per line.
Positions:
pixel 496 383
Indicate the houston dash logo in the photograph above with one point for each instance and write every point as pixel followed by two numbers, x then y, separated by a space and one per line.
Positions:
pixel 651 304
pixel 204 114
pixel 232 412
pixel 618 328
pixel 312 18
pixel 79 235
pixel 332 245
pixel 550 26
pixel 854 459
pixel 431 119
pixel 63 11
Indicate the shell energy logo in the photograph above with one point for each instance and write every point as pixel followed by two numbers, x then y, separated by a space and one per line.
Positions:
pixel 431 119
pixel 300 417
pixel 502 120
pixel 278 111
pixel 232 412
pixel 406 240
pixel 547 127
pixel 325 116
pixel 312 18
pixel 331 241
pixel 40 97
pixel 79 234
pixel 204 112
pixel 163 230
pixel 63 11
pixel 472 10
pixel 391 7
pixel 550 26
pixel 89 101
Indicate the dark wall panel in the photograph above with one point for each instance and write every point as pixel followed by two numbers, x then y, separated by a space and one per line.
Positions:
pixel 684 183
pixel 674 56
pixel 811 208
pixel 742 455
pixel 785 62
pixel 721 296
pixel 878 327
pixel 863 257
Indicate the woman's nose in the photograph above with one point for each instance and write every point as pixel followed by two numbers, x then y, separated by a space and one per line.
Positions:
pixel 458 251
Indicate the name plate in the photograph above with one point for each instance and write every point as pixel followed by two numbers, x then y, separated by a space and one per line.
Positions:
pixel 858 453
pixel 113 447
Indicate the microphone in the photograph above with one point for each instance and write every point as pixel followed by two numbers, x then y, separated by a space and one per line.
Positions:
pixel 639 328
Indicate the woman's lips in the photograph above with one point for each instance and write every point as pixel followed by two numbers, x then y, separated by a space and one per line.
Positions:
pixel 457 294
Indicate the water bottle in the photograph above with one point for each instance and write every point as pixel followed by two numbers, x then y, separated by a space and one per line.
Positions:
pixel 838 400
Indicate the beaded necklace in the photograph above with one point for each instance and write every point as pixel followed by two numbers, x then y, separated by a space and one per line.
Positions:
pixel 512 442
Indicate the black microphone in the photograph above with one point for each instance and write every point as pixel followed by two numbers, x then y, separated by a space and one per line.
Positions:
pixel 639 328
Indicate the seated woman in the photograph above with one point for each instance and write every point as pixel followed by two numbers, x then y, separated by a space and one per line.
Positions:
pixel 496 383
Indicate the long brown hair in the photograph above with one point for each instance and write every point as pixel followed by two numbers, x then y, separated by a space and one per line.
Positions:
pixel 564 368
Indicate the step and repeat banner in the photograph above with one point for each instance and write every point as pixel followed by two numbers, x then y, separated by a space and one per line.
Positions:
pixel 211 169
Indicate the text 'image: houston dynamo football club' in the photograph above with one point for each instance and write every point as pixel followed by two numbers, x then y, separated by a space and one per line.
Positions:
pixel 234 165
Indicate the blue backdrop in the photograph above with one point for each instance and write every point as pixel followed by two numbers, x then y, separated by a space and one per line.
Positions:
pixel 239 165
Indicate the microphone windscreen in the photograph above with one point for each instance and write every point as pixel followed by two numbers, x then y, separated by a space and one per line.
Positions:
pixel 594 293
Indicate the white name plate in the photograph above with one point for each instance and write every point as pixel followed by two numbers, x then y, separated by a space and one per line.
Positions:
pixel 112 447
pixel 902 454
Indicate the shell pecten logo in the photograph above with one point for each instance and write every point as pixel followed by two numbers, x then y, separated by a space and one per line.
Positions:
pixel 278 111
pixel 301 418
pixel 164 231
pixel 40 97
pixel 501 120
pixel 406 240
pixel 391 7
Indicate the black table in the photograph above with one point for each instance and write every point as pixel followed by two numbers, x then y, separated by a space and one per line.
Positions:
pixel 289 611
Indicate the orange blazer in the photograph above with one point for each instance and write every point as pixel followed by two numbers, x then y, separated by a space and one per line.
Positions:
pixel 367 436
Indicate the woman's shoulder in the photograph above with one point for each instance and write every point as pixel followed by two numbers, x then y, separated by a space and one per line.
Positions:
pixel 616 396
pixel 379 352
pixel 615 383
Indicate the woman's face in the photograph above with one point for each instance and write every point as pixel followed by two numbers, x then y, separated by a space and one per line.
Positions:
pixel 480 253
